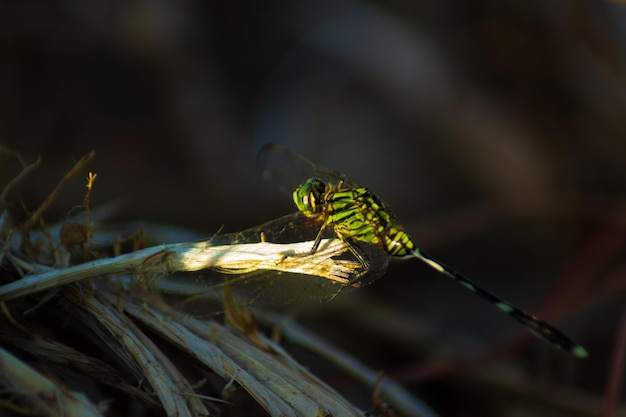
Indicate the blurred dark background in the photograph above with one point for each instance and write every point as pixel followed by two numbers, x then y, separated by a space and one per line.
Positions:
pixel 495 129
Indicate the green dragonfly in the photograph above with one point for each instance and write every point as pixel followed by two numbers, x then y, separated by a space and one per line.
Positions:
pixel 359 217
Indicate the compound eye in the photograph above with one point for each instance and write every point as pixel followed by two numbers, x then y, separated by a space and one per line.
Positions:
pixel 318 188
pixel 309 195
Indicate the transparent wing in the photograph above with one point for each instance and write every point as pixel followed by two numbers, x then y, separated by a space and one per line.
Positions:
pixel 201 293
pixel 288 170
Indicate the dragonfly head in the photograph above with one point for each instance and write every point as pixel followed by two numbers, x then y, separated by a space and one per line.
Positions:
pixel 309 197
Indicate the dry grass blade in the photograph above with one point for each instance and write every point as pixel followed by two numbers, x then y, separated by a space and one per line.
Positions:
pixel 281 389
pixel 78 167
pixel 391 390
pixel 26 169
pixel 141 354
pixel 59 355
pixel 189 257
pixel 38 394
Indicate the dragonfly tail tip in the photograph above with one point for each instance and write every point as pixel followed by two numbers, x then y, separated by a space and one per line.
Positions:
pixel 580 352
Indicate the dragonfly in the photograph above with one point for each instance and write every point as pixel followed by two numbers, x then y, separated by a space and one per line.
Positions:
pixel 359 217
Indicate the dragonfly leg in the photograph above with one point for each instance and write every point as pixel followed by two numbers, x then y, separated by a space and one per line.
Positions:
pixel 365 268
pixel 318 240
pixel 314 248
pixel 362 259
